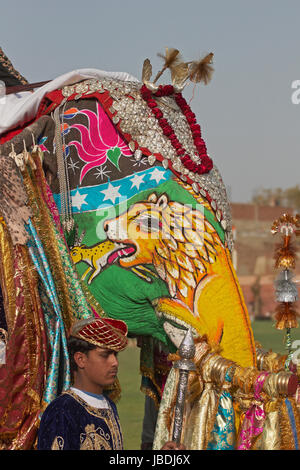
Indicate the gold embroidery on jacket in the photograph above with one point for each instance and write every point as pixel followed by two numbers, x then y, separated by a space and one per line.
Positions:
pixel 94 439
pixel 108 417
pixel 58 443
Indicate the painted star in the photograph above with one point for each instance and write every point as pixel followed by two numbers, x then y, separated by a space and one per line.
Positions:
pixel 78 200
pixel 157 175
pixel 137 180
pixel 102 172
pixel 142 162
pixel 73 165
pixel 111 193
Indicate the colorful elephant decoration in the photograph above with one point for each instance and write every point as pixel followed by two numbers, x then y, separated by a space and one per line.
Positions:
pixel 119 211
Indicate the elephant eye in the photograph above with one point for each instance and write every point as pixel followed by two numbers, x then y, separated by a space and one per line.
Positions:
pixel 149 223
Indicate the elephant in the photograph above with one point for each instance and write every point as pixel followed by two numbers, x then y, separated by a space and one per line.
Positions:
pixel 149 233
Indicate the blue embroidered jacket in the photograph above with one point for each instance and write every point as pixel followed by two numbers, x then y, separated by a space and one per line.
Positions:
pixel 70 423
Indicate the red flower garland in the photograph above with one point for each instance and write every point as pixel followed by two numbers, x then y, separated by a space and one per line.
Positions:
pixel 206 162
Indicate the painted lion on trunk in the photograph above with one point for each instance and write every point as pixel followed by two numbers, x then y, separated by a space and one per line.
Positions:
pixel 187 253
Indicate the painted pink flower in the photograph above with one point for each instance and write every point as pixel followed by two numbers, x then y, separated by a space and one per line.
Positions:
pixel 100 141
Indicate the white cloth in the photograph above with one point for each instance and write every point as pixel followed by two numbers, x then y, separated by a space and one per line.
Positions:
pixel 17 109
pixel 92 401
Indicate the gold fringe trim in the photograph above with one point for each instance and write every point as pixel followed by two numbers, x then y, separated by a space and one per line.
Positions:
pixel 7 277
pixel 92 301
pixel 150 394
pixel 147 372
pixel 274 362
pixel 287 436
pixel 244 378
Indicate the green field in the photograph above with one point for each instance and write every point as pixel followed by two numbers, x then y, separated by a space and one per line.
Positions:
pixel 131 405
pixel 270 338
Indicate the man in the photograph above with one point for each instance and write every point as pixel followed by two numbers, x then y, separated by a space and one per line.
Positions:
pixel 83 418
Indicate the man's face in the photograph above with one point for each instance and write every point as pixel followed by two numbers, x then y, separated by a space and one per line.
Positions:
pixel 99 366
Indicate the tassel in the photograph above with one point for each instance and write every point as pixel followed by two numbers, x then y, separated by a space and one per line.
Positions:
pixel 286 316
pixel 171 59
pixel 288 224
pixel 202 70
pixel 179 74
pixel 285 255
pixel 286 289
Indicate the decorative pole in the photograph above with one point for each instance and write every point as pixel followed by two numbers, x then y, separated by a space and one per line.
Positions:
pixel 185 366
pixel 286 289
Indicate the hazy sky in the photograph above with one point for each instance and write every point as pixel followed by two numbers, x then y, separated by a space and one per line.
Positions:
pixel 248 120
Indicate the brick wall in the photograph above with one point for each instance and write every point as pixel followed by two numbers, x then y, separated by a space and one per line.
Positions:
pixel 254 212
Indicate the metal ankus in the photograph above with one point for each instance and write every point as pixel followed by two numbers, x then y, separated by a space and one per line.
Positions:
pixel 185 365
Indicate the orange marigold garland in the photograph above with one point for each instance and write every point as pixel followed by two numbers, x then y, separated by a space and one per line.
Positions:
pixel 286 290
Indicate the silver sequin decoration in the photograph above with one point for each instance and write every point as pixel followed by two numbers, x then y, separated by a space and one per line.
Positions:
pixel 133 117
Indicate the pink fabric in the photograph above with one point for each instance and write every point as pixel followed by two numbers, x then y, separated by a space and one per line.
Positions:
pixel 254 418
pixel 94 312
